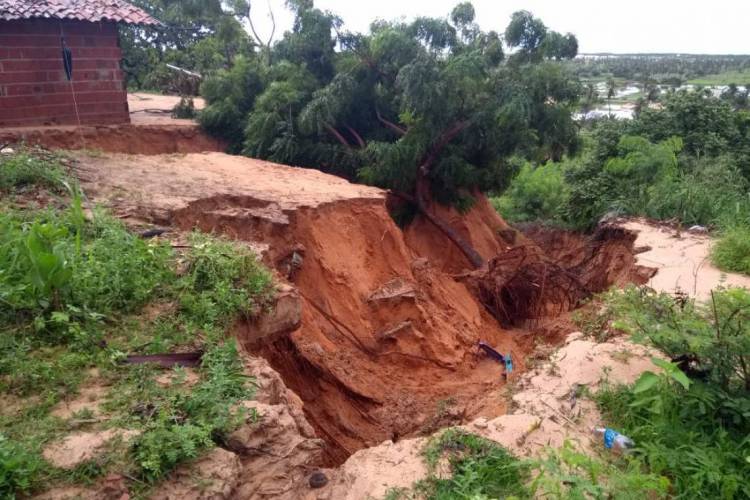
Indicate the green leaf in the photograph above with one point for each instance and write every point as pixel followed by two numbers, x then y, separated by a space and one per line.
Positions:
pixel 678 376
pixel 646 381
pixel 664 365
pixel 60 317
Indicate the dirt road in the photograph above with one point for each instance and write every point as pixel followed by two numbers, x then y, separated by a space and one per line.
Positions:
pixel 683 262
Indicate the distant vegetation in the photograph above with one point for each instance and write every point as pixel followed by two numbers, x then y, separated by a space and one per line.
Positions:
pixel 666 69
pixel 687 159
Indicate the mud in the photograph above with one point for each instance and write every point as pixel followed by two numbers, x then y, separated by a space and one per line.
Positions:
pixel 387 343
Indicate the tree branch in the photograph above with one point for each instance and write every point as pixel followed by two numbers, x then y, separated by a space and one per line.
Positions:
pixel 360 141
pixel 390 125
pixel 273 24
pixel 337 135
pixel 438 147
pixel 252 26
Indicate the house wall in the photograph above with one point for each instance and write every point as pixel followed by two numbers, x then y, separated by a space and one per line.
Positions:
pixel 33 87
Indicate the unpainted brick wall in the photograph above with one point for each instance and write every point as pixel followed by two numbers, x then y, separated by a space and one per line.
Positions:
pixel 33 87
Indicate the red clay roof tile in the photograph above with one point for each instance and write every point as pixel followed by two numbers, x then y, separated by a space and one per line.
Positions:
pixel 81 10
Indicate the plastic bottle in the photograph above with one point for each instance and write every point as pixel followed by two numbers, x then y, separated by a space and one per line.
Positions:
pixel 613 440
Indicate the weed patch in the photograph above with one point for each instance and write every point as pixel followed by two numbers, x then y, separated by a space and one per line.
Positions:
pixel 32 167
pixel 72 293
pixel 691 421
pixel 480 469
pixel 732 251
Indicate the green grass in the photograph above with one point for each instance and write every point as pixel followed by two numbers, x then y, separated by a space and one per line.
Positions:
pixel 479 469
pixel 72 293
pixel 735 76
pixel 731 252
pixel 32 167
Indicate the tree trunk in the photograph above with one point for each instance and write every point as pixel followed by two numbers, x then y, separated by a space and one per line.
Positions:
pixel 423 194
pixel 421 202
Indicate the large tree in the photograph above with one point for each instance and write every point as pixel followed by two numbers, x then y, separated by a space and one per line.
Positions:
pixel 427 109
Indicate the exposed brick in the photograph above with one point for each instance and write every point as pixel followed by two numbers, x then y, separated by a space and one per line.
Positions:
pixel 53 52
pixel 71 41
pixel 33 86
pixel 48 27
pixel 24 89
pixel 56 63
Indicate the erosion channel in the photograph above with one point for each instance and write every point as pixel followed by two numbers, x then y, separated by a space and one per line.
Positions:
pixel 376 328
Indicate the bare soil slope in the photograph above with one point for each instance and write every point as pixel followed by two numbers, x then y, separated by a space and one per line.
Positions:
pixel 384 335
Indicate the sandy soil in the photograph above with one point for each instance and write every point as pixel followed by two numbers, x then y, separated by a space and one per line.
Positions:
pixel 683 262
pixel 174 182
pixel 155 109
pixel 545 415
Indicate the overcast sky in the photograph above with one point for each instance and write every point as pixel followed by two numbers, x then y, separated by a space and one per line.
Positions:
pixel 686 26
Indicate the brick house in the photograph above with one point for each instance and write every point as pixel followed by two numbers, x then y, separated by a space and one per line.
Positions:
pixel 43 42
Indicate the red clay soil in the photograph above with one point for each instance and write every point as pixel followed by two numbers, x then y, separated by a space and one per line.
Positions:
pixel 385 337
pixel 129 138
pixel 488 232
pixel 552 271
pixel 388 338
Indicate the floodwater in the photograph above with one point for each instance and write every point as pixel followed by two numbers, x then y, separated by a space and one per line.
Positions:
pixel 626 111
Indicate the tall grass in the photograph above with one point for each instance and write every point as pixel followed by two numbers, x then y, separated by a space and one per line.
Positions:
pixel 731 252
pixel 31 167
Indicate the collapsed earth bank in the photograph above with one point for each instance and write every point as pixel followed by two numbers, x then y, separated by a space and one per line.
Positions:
pixel 382 342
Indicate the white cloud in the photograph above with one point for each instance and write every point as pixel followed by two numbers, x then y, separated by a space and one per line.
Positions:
pixel 687 26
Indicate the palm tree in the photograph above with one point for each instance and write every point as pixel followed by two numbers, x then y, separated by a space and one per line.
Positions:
pixel 591 97
pixel 611 92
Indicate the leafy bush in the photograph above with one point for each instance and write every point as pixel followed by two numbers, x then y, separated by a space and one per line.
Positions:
pixel 53 264
pixel 61 277
pixel 566 473
pixel 184 109
pixel 713 337
pixel 166 444
pixel 18 469
pixel 31 167
pixel 183 424
pixel 222 281
pixel 692 422
pixel 536 193
pixel 732 251
pixel 118 271
pixel 683 434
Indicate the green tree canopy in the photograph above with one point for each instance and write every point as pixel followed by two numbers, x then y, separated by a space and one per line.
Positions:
pixel 428 109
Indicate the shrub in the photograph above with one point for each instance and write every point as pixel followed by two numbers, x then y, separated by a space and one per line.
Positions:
pixel 480 469
pixel 222 281
pixel 683 434
pixel 732 251
pixel 186 423
pixel 54 263
pixel 184 109
pixel 709 191
pixel 165 444
pixel 566 473
pixel 693 429
pixel 536 193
